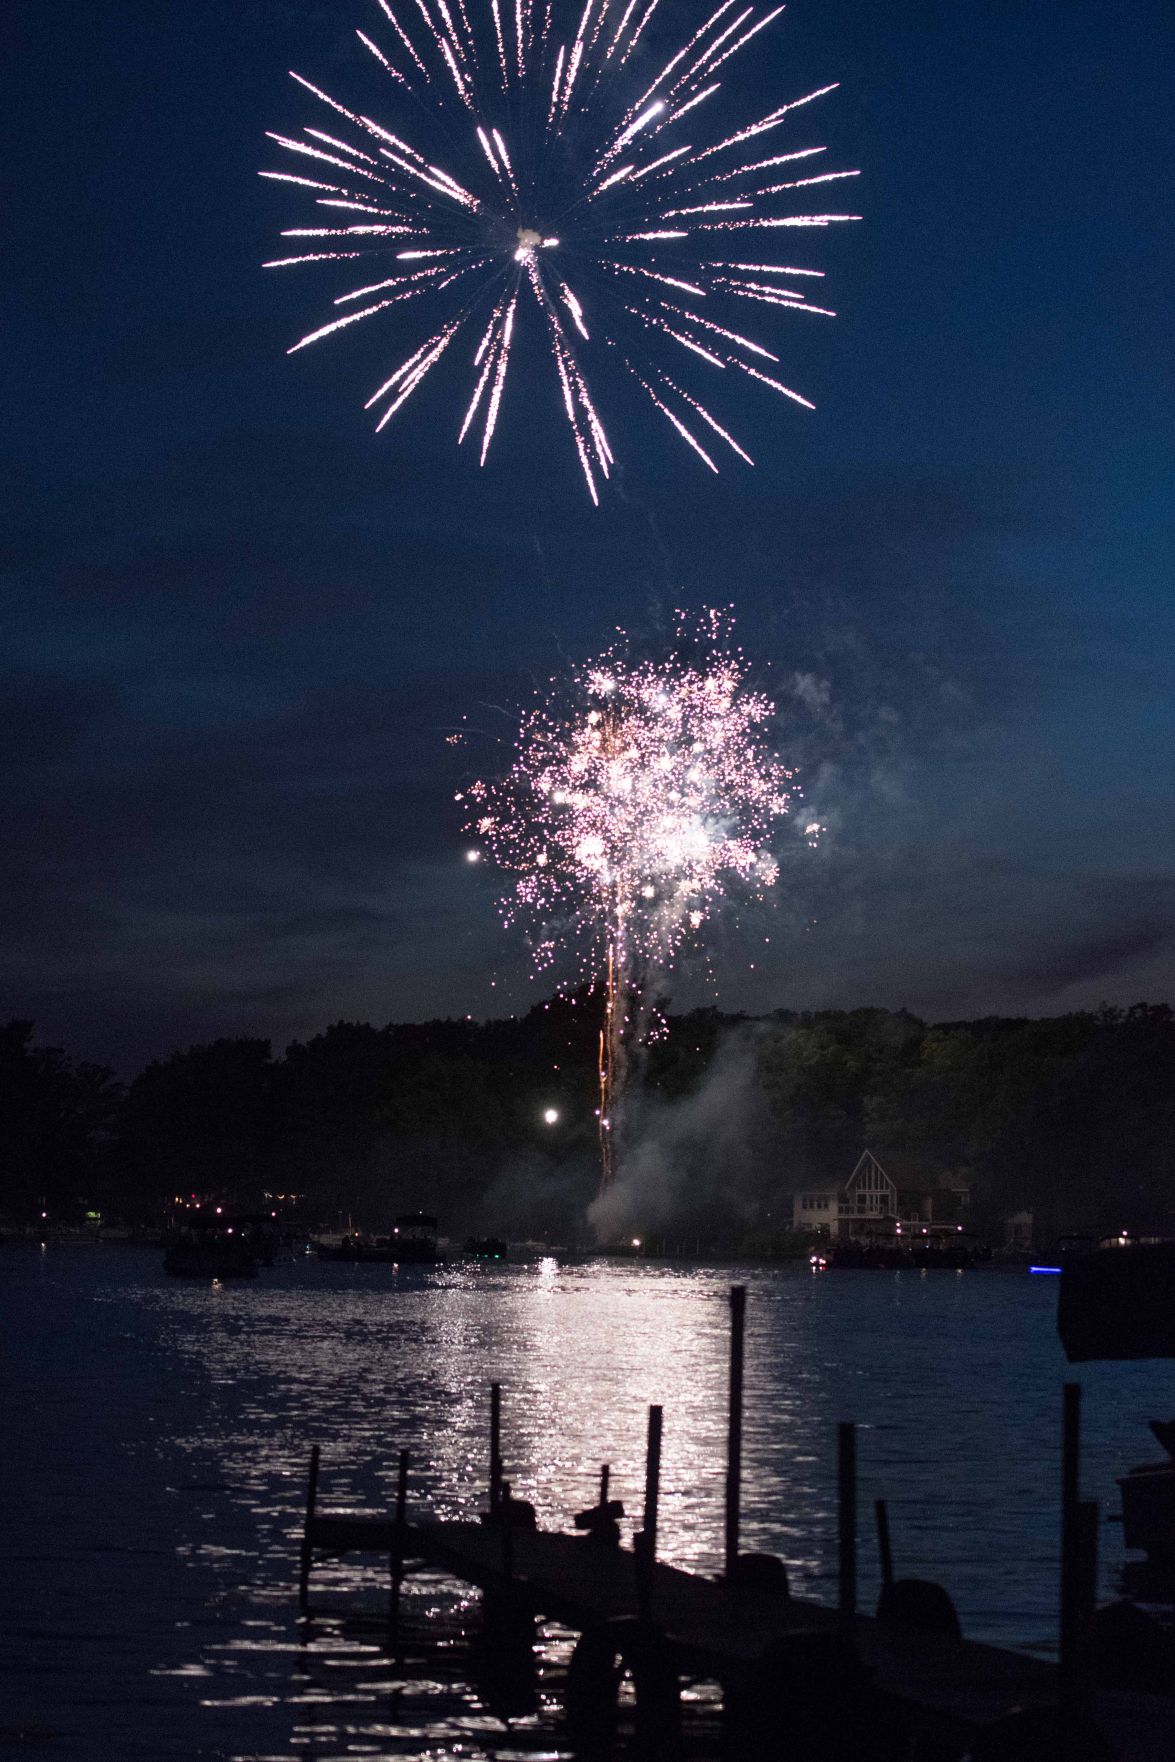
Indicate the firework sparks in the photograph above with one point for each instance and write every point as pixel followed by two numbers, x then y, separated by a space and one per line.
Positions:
pixel 569 191
pixel 640 798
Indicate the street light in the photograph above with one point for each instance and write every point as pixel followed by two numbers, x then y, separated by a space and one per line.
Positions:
pixel 551 1115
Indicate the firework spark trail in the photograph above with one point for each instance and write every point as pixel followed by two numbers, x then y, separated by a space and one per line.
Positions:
pixel 642 795
pixel 551 126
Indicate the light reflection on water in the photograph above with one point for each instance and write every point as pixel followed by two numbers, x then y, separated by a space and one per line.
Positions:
pixel 158 1479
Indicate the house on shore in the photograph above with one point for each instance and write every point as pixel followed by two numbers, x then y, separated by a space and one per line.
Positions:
pixel 884 1203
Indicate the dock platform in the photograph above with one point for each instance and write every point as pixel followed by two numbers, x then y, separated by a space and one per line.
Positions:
pixel 950 1689
pixel 798 1678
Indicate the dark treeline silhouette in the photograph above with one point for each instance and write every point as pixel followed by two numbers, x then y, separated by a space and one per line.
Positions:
pixel 1071 1116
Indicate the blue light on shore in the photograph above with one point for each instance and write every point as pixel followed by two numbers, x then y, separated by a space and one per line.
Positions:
pixel 1045 1269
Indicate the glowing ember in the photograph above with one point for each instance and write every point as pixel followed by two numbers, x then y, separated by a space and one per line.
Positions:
pixel 544 108
pixel 639 798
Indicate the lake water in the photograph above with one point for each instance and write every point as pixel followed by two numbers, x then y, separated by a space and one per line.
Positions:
pixel 157 1432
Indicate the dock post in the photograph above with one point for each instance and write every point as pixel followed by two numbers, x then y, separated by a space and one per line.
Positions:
pixel 1070 1542
pixel 734 1427
pixel 398 1544
pixel 605 1476
pixel 307 1533
pixel 652 1480
pixel 645 1545
pixel 495 1447
pixel 885 1552
pixel 846 1474
pixel 1086 1526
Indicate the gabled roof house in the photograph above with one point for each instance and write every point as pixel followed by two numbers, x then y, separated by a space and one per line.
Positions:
pixel 879 1201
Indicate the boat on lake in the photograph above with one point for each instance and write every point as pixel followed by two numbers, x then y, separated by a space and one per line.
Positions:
pixel 485 1248
pixel 948 1253
pixel 415 1238
pixel 358 1250
pixel 211 1253
pixel 413 1241
pixel 1118 1302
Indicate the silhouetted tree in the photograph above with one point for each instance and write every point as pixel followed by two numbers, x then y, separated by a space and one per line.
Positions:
pixel 203 1121
pixel 56 1118
pixel 1072 1116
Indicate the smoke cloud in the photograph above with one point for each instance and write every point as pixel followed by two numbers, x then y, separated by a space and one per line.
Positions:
pixel 688 1162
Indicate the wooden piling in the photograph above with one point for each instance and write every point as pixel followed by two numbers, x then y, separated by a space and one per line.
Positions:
pixel 605 1476
pixel 307 1543
pixel 1078 1685
pixel 846 1474
pixel 652 1480
pixel 885 1552
pixel 398 1543
pixel 495 1448
pixel 507 1547
pixel 1070 1613
pixel 645 1545
pixel 734 1425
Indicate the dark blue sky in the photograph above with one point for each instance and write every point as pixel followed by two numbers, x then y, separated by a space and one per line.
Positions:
pixel 237 626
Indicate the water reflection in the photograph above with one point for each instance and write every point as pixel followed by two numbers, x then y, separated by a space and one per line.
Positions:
pixel 174 1424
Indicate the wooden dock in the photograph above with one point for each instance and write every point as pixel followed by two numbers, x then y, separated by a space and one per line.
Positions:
pixel 950 1690
pixel 799 1679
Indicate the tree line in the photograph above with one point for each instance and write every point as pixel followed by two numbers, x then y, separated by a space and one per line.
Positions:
pixel 1071 1116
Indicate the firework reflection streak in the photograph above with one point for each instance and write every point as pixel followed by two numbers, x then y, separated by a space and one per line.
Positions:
pixel 572 178
pixel 643 795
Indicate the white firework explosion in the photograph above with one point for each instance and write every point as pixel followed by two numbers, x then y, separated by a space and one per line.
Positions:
pixel 615 192
pixel 641 796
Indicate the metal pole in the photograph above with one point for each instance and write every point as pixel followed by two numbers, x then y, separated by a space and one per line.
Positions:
pixel 307 1541
pixel 734 1426
pixel 1070 1541
pixel 846 1465
pixel 495 1447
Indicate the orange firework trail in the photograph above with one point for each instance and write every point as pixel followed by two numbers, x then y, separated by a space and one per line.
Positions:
pixel 642 795
pixel 597 197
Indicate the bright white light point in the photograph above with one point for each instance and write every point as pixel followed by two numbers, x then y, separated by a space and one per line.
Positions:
pixel 551 1115
pixel 811 829
pixel 648 892
pixel 636 1241
pixel 473 856
pixel 528 243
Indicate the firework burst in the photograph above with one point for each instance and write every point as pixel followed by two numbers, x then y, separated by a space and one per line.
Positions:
pixel 568 171
pixel 640 798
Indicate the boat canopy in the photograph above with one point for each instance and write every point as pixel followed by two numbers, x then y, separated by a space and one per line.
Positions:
pixel 1119 1302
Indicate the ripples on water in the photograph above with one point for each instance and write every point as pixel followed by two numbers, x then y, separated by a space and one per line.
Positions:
pixel 155 1481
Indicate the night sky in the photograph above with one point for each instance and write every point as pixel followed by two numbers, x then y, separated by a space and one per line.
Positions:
pixel 238 626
